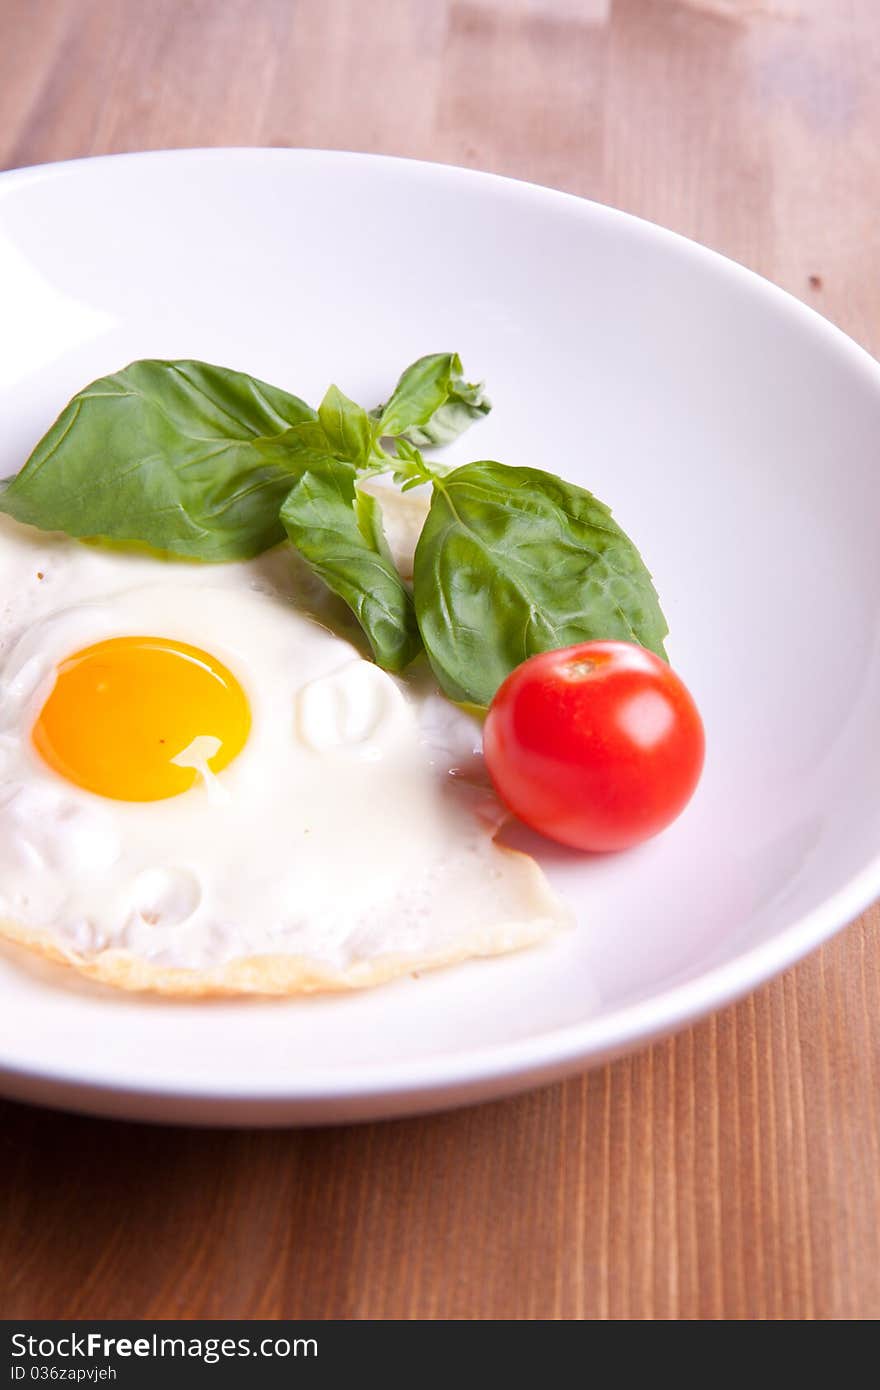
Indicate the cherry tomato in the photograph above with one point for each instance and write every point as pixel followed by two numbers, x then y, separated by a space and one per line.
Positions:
pixel 598 746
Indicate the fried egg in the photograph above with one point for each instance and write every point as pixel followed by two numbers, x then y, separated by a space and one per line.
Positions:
pixel 206 788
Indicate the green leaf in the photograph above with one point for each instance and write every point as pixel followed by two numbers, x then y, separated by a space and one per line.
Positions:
pixel 466 403
pixel 338 532
pixel 368 515
pixel 432 403
pixel 350 431
pixel 514 561
pixel 182 456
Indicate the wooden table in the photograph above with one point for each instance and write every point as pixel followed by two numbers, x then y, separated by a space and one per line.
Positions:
pixel 733 1171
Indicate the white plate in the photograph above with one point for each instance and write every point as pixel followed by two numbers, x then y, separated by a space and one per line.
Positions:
pixel 733 431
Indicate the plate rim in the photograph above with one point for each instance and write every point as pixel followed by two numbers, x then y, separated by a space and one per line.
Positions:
pixel 450 1078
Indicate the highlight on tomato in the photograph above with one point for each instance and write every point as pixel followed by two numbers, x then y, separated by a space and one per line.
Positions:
pixel 598 746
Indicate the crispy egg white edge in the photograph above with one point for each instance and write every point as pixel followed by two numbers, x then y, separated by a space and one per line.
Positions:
pixel 281 975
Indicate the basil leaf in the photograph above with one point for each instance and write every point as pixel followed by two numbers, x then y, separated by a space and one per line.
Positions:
pixel 466 403
pixel 514 561
pixel 182 456
pixel 338 532
pixel 432 403
pixel 350 431
pixel 368 515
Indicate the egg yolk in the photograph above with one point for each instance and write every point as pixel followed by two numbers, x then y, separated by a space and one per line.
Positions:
pixel 141 718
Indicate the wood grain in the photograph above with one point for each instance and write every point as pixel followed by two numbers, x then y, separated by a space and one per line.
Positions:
pixel 734 1171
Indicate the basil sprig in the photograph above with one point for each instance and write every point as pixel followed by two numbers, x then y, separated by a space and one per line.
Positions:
pixel 212 464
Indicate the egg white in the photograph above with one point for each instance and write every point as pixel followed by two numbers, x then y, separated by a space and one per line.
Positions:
pixel 337 837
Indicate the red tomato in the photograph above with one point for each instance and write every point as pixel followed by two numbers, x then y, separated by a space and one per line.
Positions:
pixel 598 746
